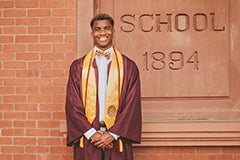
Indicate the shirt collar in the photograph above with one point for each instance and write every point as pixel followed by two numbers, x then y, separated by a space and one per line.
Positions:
pixel 110 50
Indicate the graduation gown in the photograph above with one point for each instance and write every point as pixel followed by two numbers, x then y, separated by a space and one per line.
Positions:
pixel 128 120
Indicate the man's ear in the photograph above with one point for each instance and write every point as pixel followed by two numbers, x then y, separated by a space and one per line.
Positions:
pixel 91 34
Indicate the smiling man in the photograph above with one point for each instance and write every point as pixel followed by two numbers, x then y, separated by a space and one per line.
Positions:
pixel 103 101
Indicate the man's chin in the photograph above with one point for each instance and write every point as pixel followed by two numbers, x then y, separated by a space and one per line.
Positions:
pixel 103 47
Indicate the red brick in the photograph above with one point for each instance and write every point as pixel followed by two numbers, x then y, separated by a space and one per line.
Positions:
pixel 61 64
pixel 64 29
pixel 15 115
pixel 71 55
pixel 6 21
pixel 26 107
pixel 237 157
pixel 5 124
pixel 14 30
pixel 6 90
pixel 71 4
pixel 60 150
pixel 39 98
pixel 52 90
pixel 60 81
pixel 14 48
pixel 70 38
pixel 12 149
pixel 25 141
pixel 6 39
pixel 7 73
pixel 6 4
pixel 68 157
pixel 12 132
pixel 51 38
pixel 27 73
pixel 40 81
pixel 49 141
pixel 27 56
pixel 39 149
pixel 220 157
pixel 7 56
pixel 52 56
pixel 63 47
pixel 51 3
pixel 14 13
pixel 50 107
pixel 24 124
pixel 27 21
pixel 195 157
pixel 48 124
pixel 56 133
pixel 14 99
pixel 6 156
pixel 39 64
pixel 183 150
pixel 39 47
pixel 15 82
pixel 52 73
pixel 39 12
pixel 71 21
pixel 27 4
pixel 39 115
pixel 230 150
pixel 64 12
pixel 27 90
pixel 24 157
pixel 26 39
pixel 171 157
pixel 15 64
pixel 5 140
pixel 39 30
pixel 37 132
pixel 6 107
pixel 209 150
pixel 51 21
pixel 50 157
pixel 59 115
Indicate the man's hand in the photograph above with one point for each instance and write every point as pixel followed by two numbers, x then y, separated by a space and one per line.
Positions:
pixel 103 140
pixel 96 136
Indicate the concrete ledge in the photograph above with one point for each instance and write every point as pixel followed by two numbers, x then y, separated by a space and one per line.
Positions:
pixel 198 133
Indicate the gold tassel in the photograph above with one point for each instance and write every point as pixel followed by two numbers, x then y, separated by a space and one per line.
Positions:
pixel 81 142
pixel 120 145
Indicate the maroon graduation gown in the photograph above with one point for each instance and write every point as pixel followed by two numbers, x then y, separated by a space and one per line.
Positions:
pixel 128 120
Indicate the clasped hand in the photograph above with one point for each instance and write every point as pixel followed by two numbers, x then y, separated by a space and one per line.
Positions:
pixel 102 139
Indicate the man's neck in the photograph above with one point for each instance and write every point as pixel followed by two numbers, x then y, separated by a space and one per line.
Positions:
pixel 110 49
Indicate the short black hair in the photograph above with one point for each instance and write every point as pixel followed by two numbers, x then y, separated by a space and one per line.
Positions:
pixel 102 16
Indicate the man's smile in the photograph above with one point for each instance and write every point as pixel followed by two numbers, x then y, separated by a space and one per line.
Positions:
pixel 103 39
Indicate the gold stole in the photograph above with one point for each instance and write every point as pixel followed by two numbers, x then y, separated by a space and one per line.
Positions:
pixel 114 86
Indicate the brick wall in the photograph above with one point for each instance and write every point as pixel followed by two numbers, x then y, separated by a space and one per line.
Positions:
pixel 37 45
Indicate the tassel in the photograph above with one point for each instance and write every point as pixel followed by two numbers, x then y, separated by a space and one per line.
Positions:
pixel 81 142
pixel 120 145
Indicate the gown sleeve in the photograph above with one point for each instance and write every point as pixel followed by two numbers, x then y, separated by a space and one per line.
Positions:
pixel 128 122
pixel 77 123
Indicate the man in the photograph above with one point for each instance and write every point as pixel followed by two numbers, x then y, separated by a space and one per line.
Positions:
pixel 103 102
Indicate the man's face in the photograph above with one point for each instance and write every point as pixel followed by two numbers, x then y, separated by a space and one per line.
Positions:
pixel 102 33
